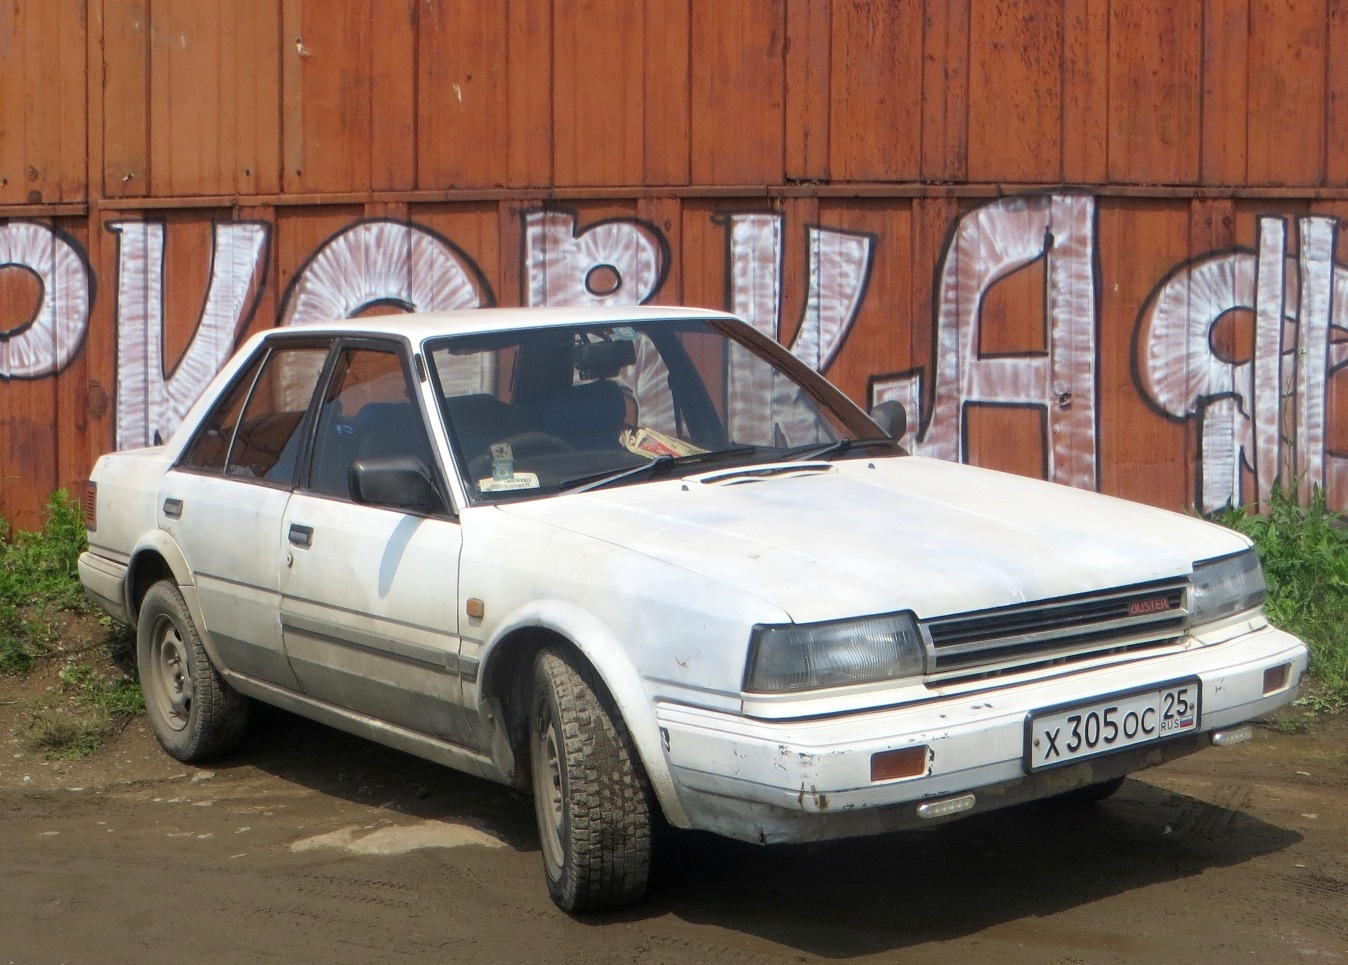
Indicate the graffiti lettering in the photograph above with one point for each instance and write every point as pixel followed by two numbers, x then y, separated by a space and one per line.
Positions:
pixel 618 262
pixel 383 262
pixel 49 341
pixel 987 245
pixel 1245 424
pixel 839 265
pixel 149 402
pixel 1262 416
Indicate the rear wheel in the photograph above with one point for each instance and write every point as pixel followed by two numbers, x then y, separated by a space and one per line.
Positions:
pixel 195 714
pixel 591 797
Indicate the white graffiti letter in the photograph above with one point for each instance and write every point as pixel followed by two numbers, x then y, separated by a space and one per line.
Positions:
pixel 620 262
pixel 1184 377
pixel 48 342
pixel 383 262
pixel 148 400
pixel 989 244
pixel 839 267
pixel 1315 317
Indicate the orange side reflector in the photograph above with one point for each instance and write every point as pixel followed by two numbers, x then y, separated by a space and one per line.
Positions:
pixel 1275 678
pixel 90 504
pixel 905 762
pixel 475 608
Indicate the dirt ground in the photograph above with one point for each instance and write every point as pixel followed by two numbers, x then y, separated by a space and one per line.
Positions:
pixel 307 845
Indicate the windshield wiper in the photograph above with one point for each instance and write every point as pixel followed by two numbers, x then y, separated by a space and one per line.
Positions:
pixel 831 449
pixel 653 468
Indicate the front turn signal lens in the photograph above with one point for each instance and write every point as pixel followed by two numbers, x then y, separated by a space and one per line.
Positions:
pixel 898 764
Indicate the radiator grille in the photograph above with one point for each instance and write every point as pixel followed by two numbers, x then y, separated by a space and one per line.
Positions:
pixel 1064 630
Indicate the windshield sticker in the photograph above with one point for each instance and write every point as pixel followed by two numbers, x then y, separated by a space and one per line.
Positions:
pixel 516 481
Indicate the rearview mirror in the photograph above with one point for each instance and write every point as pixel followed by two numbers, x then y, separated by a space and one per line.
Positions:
pixel 602 360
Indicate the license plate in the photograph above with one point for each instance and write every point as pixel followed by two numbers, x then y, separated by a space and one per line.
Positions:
pixel 1072 732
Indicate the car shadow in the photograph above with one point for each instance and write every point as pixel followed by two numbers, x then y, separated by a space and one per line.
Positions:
pixel 300 751
pixel 863 896
pixel 833 899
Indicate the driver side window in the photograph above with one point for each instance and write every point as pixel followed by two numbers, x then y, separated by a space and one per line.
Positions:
pixel 369 412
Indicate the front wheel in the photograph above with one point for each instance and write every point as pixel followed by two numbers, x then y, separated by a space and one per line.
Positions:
pixel 591 797
pixel 195 714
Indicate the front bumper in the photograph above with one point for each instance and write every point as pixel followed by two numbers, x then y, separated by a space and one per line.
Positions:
pixel 806 780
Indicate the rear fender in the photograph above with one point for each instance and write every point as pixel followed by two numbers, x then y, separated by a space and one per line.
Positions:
pixel 160 544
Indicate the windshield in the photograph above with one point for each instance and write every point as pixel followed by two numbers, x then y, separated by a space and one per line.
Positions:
pixel 537 411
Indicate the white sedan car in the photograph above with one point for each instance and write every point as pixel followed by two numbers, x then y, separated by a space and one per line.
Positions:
pixel 651 567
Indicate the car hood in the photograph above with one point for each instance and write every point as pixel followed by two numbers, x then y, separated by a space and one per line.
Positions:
pixel 827 540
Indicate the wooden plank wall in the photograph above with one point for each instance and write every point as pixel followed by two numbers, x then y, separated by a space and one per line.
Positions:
pixel 1185 121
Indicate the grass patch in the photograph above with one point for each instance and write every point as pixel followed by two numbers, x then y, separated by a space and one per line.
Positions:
pixel 39 589
pixel 89 709
pixel 64 736
pixel 16 655
pixel 114 696
pixel 39 578
pixel 41 569
pixel 1304 549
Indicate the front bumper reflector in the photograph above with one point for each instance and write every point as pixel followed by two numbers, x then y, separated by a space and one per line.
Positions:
pixel 1232 735
pixel 945 806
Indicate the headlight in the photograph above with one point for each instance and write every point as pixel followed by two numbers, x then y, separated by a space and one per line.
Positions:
pixel 793 656
pixel 1228 585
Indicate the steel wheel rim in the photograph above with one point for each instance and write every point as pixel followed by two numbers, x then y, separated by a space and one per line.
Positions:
pixel 547 774
pixel 169 675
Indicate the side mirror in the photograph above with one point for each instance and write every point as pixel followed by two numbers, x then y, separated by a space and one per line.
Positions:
pixel 397 482
pixel 892 418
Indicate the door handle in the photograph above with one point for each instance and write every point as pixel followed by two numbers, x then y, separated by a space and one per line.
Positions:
pixel 173 508
pixel 301 535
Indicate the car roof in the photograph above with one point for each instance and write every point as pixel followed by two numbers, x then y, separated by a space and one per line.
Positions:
pixel 416 326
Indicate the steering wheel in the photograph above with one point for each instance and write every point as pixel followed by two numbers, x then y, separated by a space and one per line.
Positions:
pixel 523 446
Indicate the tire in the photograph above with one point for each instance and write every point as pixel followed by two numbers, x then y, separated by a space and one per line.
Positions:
pixel 591 797
pixel 1090 793
pixel 195 714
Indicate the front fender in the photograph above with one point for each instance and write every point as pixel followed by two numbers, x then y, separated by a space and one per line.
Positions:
pixel 597 642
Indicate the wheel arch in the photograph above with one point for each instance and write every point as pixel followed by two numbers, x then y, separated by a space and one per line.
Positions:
pixel 506 685
pixel 158 557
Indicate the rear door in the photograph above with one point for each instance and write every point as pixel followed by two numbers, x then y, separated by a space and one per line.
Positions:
pixel 369 594
pixel 224 500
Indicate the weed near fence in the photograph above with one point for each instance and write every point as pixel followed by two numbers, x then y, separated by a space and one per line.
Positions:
pixel 38 578
pixel 40 594
pixel 1304 548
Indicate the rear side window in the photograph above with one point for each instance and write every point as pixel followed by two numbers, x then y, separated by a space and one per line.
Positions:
pixel 253 432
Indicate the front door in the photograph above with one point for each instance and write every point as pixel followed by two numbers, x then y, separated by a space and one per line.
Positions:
pixel 369 607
